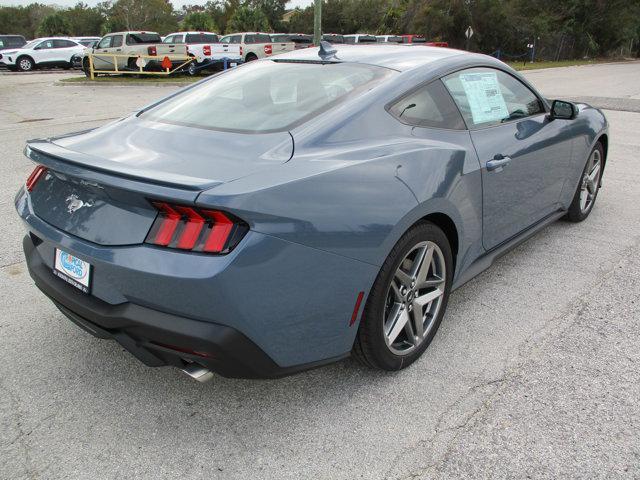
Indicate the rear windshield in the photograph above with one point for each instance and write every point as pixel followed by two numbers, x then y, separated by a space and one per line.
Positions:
pixel 367 39
pixel 280 38
pixel 137 38
pixel 302 39
pixel 257 38
pixel 201 38
pixel 267 96
pixel 333 38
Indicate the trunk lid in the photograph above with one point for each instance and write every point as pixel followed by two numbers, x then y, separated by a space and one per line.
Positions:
pixel 100 182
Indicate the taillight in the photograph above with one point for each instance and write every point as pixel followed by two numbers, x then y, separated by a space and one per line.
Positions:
pixel 206 50
pixel 152 50
pixel 240 50
pixel 37 173
pixel 268 49
pixel 195 229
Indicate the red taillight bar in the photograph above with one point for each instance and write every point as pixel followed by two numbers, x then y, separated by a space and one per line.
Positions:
pixel 152 51
pixel 168 225
pixel 220 231
pixel 206 50
pixel 194 229
pixel 35 176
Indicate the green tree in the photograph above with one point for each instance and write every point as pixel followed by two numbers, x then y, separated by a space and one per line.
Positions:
pixel 54 24
pixel 301 21
pixel 84 20
pixel 250 19
pixel 273 10
pixel 23 20
pixel 152 15
pixel 200 21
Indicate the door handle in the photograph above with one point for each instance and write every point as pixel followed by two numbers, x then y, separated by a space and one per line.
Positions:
pixel 499 161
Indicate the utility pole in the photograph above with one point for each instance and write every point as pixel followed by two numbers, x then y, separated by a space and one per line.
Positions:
pixel 317 22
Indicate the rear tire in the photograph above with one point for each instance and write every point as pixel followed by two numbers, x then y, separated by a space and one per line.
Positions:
pixel 587 191
pixel 192 68
pixel 86 68
pixel 407 301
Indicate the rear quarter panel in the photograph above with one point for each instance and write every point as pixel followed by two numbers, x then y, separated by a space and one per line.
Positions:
pixel 358 180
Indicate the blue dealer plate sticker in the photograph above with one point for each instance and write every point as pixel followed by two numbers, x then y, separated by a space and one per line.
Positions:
pixel 72 270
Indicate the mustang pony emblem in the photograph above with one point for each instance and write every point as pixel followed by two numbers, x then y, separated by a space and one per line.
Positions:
pixel 74 203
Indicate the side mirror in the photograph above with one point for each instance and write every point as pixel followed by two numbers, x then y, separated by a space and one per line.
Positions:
pixel 563 110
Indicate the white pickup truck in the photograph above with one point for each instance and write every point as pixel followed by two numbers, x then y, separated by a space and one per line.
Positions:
pixel 207 50
pixel 255 45
pixel 127 46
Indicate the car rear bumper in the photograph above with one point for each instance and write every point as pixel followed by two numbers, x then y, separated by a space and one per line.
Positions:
pixel 158 338
pixel 268 308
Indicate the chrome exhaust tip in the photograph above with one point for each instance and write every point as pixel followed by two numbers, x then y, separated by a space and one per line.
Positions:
pixel 198 372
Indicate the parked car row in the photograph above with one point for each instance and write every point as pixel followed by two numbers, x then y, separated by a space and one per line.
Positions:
pixel 121 50
pixel 42 52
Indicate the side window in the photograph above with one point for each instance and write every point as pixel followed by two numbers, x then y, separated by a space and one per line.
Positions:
pixel 428 106
pixel 169 39
pixel 179 39
pixel 261 38
pixel 231 39
pixel 46 45
pixel 249 39
pixel 349 39
pixel 105 42
pixel 487 96
pixel 116 41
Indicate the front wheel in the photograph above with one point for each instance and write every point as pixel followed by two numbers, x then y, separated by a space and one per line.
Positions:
pixel 585 197
pixel 407 300
pixel 25 64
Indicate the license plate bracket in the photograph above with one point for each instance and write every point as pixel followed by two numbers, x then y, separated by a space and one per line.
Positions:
pixel 73 270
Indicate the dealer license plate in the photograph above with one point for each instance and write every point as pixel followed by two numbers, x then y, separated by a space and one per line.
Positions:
pixel 72 270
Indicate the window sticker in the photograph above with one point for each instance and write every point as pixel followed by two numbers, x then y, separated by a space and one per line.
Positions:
pixel 485 98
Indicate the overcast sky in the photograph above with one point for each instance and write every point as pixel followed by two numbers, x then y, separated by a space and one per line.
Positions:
pixel 176 3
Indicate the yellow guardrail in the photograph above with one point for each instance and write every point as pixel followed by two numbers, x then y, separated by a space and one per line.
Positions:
pixel 141 63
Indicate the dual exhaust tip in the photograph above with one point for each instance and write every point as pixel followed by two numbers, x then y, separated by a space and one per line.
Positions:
pixel 198 372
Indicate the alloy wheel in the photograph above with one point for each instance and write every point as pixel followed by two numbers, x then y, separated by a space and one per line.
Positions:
pixel 414 298
pixel 590 181
pixel 25 64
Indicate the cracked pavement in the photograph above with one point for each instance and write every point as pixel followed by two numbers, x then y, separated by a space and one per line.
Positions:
pixel 533 373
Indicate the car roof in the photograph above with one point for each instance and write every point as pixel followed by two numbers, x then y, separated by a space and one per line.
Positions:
pixel 395 56
pixel 191 32
pixel 135 32
pixel 42 39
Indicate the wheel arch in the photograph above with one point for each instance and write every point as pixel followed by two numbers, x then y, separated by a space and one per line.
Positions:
pixel 604 140
pixel 448 226
pixel 25 55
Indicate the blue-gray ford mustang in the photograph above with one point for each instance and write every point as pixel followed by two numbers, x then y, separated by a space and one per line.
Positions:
pixel 294 210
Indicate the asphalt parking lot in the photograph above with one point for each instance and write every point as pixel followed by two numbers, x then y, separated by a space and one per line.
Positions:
pixel 534 372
